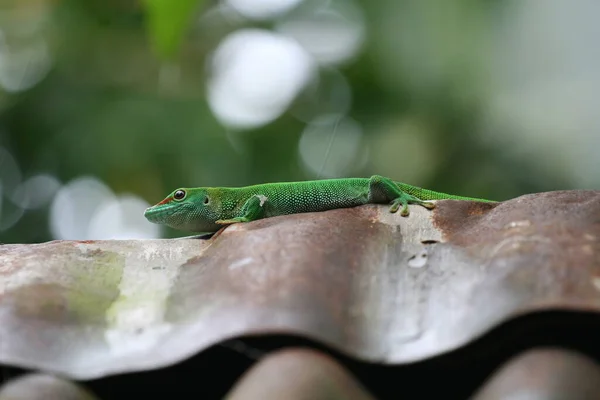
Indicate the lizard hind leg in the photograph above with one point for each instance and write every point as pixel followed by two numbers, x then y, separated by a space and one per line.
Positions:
pixel 398 197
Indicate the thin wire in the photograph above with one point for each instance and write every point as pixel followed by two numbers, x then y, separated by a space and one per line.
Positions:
pixel 337 123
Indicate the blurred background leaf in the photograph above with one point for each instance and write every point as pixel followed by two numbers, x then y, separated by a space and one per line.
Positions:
pixel 167 22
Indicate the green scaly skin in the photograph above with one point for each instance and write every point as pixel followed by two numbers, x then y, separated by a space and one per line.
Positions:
pixel 208 209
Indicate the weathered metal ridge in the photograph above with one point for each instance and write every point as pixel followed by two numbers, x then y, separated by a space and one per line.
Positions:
pixel 373 285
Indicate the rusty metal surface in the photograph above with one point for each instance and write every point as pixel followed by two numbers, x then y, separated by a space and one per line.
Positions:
pixel 376 286
pixel 543 248
pixel 544 374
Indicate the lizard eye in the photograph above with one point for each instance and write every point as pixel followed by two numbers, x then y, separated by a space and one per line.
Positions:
pixel 179 194
pixel 206 200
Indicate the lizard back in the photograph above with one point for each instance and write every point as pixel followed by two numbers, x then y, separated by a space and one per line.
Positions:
pixel 297 197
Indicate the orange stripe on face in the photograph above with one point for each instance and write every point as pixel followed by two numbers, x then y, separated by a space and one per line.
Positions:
pixel 165 201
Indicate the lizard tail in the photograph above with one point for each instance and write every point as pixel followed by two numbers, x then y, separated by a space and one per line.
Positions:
pixel 426 194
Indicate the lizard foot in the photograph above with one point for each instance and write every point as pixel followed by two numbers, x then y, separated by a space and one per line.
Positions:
pixel 407 199
pixel 428 205
pixel 396 205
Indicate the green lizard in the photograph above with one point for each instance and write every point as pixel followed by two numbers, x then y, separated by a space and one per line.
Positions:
pixel 207 209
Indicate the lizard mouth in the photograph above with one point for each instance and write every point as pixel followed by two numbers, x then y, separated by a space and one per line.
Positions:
pixel 158 213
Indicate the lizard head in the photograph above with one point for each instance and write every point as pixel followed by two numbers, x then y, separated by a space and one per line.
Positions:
pixel 188 209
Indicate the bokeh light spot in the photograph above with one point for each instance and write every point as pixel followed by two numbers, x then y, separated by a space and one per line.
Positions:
pixel 122 218
pixel 332 34
pixel 86 208
pixel 24 66
pixel 255 76
pixel 36 191
pixel 331 146
pixel 262 9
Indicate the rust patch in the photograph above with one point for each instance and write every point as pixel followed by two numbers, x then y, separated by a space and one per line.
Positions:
pixel 41 301
pixel 543 245
pixel 452 217
pixel 558 214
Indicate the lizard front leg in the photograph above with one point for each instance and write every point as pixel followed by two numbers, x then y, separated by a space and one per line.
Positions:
pixel 252 210
pixel 382 187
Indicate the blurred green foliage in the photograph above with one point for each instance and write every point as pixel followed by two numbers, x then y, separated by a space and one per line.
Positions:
pixel 124 99
pixel 167 23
